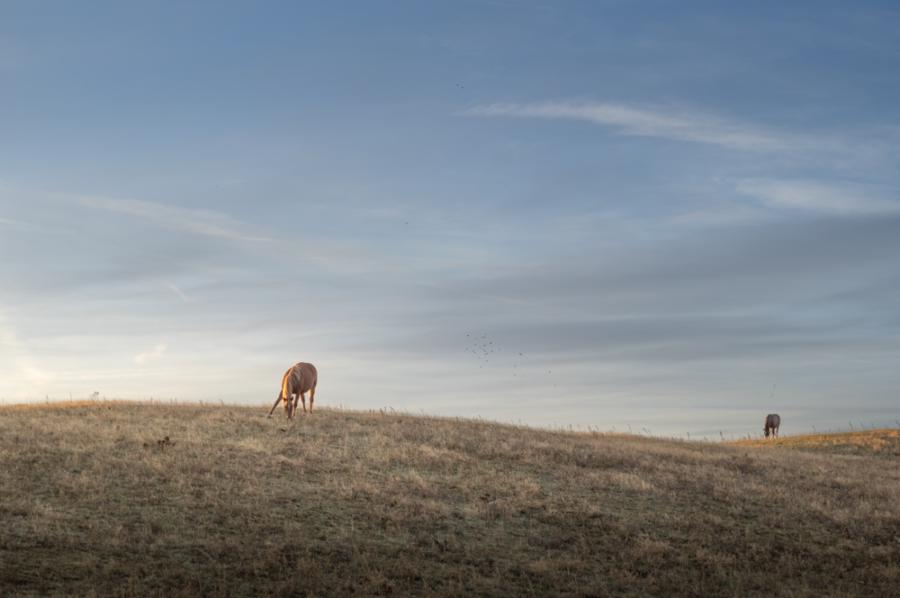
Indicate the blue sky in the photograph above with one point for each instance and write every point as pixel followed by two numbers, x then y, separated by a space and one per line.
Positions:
pixel 672 216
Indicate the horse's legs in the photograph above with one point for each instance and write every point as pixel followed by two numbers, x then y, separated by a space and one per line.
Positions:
pixel 277 399
pixel 312 397
pixel 303 398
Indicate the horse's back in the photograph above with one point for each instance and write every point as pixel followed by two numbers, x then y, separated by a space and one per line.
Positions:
pixel 773 420
pixel 305 375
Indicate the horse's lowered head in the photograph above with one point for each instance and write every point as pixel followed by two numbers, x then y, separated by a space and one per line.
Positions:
pixel 286 396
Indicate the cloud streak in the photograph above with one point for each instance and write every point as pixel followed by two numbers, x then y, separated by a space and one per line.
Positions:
pixel 757 293
pixel 344 253
pixel 833 199
pixel 14 352
pixel 147 356
pixel 642 122
pixel 13 223
pixel 198 222
pixel 178 292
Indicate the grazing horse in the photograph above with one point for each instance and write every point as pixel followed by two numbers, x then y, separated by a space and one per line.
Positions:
pixel 298 380
pixel 773 421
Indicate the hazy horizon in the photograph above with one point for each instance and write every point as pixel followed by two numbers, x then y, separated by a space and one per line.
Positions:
pixel 599 214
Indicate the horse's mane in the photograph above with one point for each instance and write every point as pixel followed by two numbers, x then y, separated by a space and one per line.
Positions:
pixel 285 380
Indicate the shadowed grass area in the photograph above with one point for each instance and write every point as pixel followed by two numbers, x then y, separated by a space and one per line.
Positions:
pixel 344 503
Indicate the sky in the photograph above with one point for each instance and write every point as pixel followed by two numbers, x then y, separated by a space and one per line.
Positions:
pixel 665 217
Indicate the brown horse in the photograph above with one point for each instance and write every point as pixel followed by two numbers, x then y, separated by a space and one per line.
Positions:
pixel 298 380
pixel 773 422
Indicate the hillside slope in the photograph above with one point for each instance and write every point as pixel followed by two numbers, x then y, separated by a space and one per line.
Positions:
pixel 347 503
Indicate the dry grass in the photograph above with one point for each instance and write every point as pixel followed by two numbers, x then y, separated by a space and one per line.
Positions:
pixel 345 503
pixel 885 442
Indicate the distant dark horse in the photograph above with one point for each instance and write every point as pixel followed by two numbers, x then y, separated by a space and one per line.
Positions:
pixel 773 421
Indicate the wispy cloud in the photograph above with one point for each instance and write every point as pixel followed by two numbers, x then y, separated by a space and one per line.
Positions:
pixel 336 253
pixel 178 292
pixel 629 120
pixel 840 199
pixel 15 223
pixel 14 352
pixel 727 216
pixel 155 353
pixel 199 222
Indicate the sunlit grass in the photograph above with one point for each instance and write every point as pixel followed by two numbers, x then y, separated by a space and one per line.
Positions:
pixel 884 441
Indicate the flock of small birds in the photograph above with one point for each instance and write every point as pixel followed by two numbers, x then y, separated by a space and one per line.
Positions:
pixel 483 348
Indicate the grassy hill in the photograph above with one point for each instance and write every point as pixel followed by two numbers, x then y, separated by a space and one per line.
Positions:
pixel 347 503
